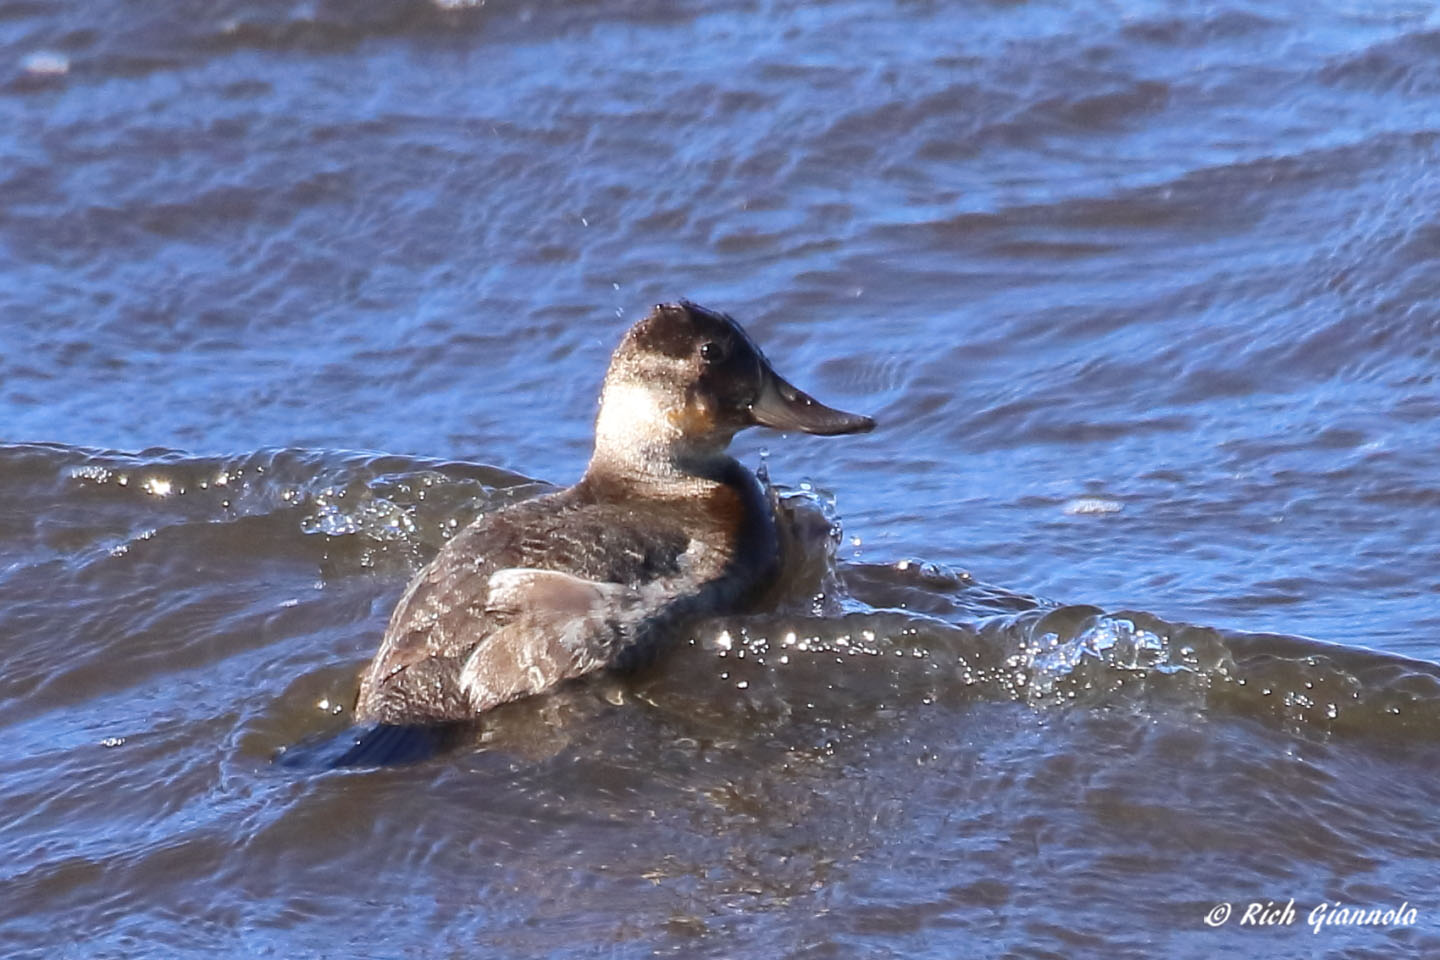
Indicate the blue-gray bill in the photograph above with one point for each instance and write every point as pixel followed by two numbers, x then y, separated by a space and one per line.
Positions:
pixel 783 406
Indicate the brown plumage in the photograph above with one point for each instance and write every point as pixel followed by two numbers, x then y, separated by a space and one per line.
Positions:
pixel 664 526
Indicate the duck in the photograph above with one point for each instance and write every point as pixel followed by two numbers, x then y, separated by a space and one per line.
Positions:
pixel 664 527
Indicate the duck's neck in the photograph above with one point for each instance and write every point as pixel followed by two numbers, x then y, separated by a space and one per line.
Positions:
pixel 640 445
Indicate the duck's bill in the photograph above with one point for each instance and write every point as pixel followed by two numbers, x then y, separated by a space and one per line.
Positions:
pixel 781 406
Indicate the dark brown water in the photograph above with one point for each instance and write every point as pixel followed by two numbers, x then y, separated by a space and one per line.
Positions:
pixel 1144 294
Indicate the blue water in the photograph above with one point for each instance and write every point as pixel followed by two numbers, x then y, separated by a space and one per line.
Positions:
pixel 1143 295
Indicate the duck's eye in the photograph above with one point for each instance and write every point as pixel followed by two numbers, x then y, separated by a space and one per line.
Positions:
pixel 712 352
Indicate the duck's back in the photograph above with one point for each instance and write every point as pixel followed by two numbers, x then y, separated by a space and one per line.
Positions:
pixel 541 591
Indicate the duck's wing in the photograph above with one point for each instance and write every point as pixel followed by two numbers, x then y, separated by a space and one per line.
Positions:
pixel 546 626
pixel 516 603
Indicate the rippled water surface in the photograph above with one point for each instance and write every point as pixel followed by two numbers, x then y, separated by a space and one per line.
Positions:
pixel 1145 298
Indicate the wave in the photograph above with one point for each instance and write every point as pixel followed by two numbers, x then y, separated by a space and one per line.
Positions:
pixel 843 638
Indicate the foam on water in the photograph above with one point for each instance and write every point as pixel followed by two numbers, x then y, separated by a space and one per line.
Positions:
pixel 942 632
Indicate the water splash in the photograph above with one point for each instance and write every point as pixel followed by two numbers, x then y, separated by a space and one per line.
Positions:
pixel 375 517
pixel 1116 643
pixel 839 635
pixel 810 533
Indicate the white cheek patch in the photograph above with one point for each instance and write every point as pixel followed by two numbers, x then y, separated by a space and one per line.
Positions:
pixel 631 413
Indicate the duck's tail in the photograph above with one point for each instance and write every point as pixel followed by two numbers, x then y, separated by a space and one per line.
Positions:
pixel 372 745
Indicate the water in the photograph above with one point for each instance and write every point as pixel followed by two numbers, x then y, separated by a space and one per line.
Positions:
pixel 1144 297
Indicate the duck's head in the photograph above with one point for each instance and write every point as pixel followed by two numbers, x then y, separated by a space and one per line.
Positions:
pixel 685 380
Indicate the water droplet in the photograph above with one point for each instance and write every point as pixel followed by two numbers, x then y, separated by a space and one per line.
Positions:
pixel 46 64
pixel 1092 506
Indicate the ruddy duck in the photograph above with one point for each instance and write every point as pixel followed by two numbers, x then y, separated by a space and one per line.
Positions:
pixel 663 526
